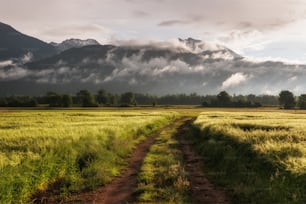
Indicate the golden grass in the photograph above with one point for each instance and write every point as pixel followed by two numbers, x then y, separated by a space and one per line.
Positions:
pixel 259 156
pixel 78 148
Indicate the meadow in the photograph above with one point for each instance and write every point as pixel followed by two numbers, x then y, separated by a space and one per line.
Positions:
pixel 259 157
pixel 66 151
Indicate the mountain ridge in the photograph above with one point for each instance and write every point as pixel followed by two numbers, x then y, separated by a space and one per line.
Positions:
pixel 73 43
pixel 15 44
pixel 182 66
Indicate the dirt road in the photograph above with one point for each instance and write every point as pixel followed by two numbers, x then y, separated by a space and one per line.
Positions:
pixel 201 190
pixel 122 188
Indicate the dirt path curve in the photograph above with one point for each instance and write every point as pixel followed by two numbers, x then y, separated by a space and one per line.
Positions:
pixel 202 191
pixel 121 189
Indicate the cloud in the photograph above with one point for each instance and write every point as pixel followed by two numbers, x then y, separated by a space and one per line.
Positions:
pixel 26 58
pixel 259 14
pixel 234 80
pixel 155 67
pixel 133 81
pixel 13 73
pixel 273 59
pixel 178 45
pixel 13 70
pixel 140 14
pixel 80 30
pixel 172 22
pixel 5 63
pixel 222 55
pixel 293 78
pixel 243 40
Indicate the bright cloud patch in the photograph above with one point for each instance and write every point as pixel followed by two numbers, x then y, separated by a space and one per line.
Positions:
pixel 234 80
pixel 5 63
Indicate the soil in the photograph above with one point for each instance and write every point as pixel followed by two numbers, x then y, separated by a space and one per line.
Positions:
pixel 201 190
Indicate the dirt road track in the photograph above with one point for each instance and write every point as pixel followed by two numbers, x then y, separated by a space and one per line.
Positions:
pixel 121 189
pixel 201 190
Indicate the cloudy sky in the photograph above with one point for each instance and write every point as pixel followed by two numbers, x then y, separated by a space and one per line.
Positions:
pixel 269 29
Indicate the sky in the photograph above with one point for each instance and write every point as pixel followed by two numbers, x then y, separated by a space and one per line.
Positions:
pixel 259 29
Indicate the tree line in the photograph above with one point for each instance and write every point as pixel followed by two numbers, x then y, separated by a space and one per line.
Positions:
pixel 288 101
pixel 85 98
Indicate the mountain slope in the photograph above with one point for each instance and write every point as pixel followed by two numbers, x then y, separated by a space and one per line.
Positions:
pixel 210 49
pixel 15 45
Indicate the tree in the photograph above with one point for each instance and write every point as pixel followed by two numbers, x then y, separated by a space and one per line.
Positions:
pixel 102 97
pixel 113 99
pixel 224 99
pixel 86 99
pixel 302 101
pixel 154 103
pixel 66 100
pixel 54 99
pixel 251 98
pixel 286 99
pixel 127 99
pixel 3 102
pixel 30 102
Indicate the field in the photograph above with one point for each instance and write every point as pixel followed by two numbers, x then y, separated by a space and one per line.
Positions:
pixel 260 157
pixel 67 150
pixel 255 155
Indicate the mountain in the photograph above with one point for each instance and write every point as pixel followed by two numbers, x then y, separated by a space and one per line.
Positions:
pixel 73 43
pixel 205 48
pixel 183 66
pixel 17 45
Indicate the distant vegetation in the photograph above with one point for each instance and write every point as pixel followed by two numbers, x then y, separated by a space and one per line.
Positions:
pixel 258 157
pixel 84 98
pixel 223 99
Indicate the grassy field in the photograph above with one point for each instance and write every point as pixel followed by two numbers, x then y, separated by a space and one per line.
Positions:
pixel 260 157
pixel 70 150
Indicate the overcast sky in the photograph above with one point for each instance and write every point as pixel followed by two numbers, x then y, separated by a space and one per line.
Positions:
pixel 270 29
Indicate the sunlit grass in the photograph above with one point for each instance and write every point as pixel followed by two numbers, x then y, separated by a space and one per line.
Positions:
pixel 260 157
pixel 73 150
pixel 162 178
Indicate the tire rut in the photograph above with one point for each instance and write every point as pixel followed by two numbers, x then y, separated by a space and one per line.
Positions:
pixel 201 190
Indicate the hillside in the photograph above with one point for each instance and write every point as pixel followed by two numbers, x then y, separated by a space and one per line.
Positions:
pixel 15 44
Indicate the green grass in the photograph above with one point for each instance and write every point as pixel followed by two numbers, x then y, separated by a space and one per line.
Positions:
pixel 260 157
pixel 68 151
pixel 162 178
